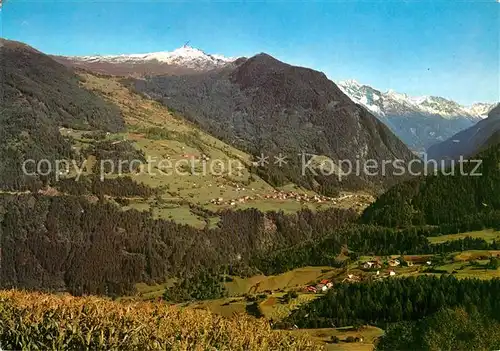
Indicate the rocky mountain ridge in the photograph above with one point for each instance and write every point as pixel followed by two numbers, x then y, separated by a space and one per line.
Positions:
pixel 419 121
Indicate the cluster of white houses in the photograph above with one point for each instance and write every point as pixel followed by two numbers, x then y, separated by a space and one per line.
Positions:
pixel 275 195
pixel 377 264
pixel 322 286
pixel 325 284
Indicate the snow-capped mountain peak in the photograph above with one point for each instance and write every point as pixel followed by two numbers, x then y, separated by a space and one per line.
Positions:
pixel 185 56
pixel 418 99
pixel 397 95
pixel 188 51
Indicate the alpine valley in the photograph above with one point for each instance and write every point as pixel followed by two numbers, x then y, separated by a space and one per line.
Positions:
pixel 95 257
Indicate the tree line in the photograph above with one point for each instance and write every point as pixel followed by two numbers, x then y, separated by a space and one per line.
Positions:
pixel 115 187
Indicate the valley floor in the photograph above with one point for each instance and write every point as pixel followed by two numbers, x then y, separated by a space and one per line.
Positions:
pixel 270 291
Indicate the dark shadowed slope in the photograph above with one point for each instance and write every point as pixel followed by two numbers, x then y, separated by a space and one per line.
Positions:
pixel 40 95
pixel 469 141
pixel 492 141
pixel 264 105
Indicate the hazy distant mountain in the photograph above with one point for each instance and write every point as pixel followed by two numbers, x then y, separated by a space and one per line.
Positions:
pixel 419 121
pixel 183 60
pixel 264 105
pixel 470 141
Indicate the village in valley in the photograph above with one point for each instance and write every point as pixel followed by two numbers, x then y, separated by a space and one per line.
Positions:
pixel 277 296
pixel 371 269
pixel 280 195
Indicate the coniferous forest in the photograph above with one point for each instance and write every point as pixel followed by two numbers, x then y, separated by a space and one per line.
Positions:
pixel 441 199
pixel 396 300
pixel 60 243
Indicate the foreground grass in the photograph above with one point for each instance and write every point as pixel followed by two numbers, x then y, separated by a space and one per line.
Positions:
pixel 36 321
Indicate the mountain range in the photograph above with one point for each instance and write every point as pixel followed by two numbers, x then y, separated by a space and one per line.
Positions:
pixel 419 121
pixel 104 235
pixel 263 105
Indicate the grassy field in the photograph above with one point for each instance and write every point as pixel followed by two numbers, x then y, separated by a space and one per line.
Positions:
pixel 475 255
pixel 294 279
pixel 151 292
pixel 270 289
pixel 459 264
pixel 488 234
pixel 464 269
pixel 274 310
pixel 368 334
pixel 271 306
pixel 465 264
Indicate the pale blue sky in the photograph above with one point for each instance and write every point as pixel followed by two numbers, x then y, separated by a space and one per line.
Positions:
pixel 446 48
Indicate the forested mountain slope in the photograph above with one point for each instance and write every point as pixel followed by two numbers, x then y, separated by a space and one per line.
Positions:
pixel 40 95
pixel 266 106
pixel 438 199
pixel 394 300
pixel 68 243
pixel 90 236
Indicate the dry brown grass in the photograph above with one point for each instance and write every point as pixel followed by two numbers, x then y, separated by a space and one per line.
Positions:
pixel 37 321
